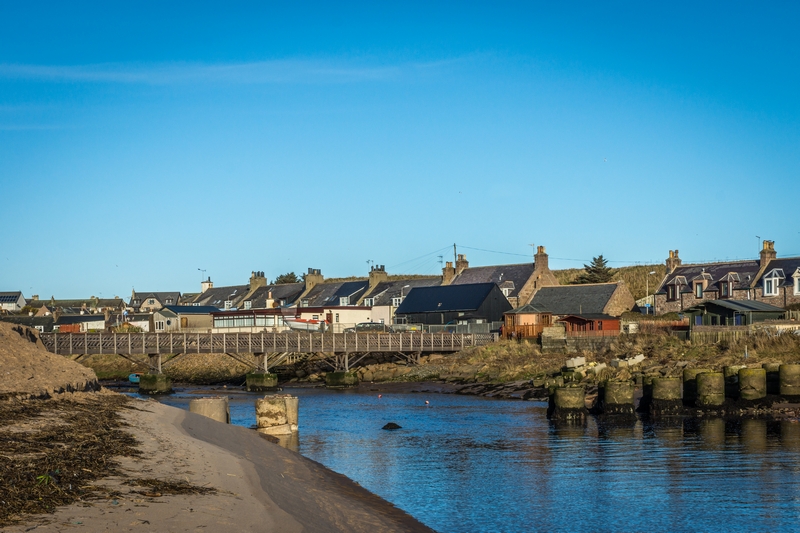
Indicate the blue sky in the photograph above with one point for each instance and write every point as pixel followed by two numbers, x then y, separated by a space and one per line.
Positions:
pixel 139 144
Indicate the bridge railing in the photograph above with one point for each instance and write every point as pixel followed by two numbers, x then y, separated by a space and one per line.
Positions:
pixel 311 342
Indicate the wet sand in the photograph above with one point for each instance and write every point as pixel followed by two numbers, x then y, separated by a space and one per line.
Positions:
pixel 259 486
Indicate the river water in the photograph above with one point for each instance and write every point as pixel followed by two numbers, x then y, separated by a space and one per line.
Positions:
pixel 469 464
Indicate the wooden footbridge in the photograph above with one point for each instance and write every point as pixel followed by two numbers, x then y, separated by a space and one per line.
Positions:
pixel 270 349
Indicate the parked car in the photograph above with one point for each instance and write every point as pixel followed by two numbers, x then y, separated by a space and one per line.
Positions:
pixel 370 327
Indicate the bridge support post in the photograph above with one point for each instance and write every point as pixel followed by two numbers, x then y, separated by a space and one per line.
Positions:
pixel 154 382
pixel 261 380
pixel 341 380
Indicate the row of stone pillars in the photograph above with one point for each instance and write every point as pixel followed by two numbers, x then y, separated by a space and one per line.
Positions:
pixel 701 388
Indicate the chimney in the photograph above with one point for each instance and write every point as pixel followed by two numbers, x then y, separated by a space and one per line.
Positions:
pixel 205 285
pixel 461 264
pixel 257 279
pixel 541 260
pixel 314 277
pixel 35 298
pixel 767 253
pixel 377 274
pixel 448 273
pixel 673 261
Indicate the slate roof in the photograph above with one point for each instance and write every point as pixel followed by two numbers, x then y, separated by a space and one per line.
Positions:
pixel 386 290
pixel 217 296
pixel 505 276
pixel 192 309
pixel 788 265
pixel 575 299
pixel 162 297
pixel 528 309
pixel 31 321
pixel 289 292
pixel 746 271
pixel 743 306
pixel 329 293
pixel 9 297
pixel 445 298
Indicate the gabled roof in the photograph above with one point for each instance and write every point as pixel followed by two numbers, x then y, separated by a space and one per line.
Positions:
pixel 742 306
pixel 162 297
pixel 192 309
pixel 217 296
pixel 788 265
pixel 329 293
pixel 386 290
pixel 445 298
pixel 77 319
pixel 575 299
pixel 528 309
pixel 506 276
pixel 289 292
pixel 713 273
pixel 9 297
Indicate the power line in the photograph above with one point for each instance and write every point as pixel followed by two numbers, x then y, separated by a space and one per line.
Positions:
pixel 492 251
pixel 418 258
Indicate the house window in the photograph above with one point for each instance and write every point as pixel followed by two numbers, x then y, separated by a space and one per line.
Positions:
pixel 151 301
pixel 698 290
pixel 770 287
pixel 369 302
pixel 228 304
pixel 169 301
pixel 159 325
pixel 797 285
pixel 672 293
pixel 248 304
pixel 723 290
pixel 344 300
pixel 600 325
pixel 314 317
pixel 337 317
pixel 506 292
pixel 304 302
pixel 396 302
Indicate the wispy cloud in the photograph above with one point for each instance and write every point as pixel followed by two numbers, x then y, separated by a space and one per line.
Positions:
pixel 262 72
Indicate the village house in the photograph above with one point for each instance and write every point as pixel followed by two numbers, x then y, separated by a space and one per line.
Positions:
pixel 183 318
pixel 91 305
pixel 86 323
pixel 769 279
pixel 43 324
pixel 610 299
pixel 526 322
pixel 518 282
pixel 478 303
pixel 732 313
pixel 12 302
pixel 146 302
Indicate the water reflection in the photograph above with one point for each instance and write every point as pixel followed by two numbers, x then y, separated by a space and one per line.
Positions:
pixel 467 464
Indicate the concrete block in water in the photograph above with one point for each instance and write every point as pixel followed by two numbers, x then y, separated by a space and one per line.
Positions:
pixel 276 414
pixel 789 380
pixel 666 388
pixel 619 363
pixel 598 367
pixel 261 381
pixel 618 397
pixel 568 403
pixel 666 399
pixel 732 380
pixel 216 408
pixel 752 383
pixel 710 389
pixel 575 362
pixel 154 384
pixel 341 380
pixel 690 384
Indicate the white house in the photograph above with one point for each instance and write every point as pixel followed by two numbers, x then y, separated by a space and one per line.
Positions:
pixel 12 302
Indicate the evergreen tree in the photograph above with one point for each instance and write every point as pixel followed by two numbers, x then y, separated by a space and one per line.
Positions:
pixel 597 272
pixel 289 277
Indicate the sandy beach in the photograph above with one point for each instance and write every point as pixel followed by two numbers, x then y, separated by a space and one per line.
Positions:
pixel 259 486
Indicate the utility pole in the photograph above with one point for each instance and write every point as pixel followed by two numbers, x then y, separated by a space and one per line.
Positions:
pixel 533 247
pixel 455 254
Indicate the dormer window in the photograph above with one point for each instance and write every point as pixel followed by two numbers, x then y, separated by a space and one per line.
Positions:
pixel 304 302
pixel 248 304
pixel 698 289
pixel 228 304
pixel 396 301
pixel 344 300
pixel 506 292
pixel 724 289
pixel 672 293
pixel 772 282
pixel 797 283
pixel 369 302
